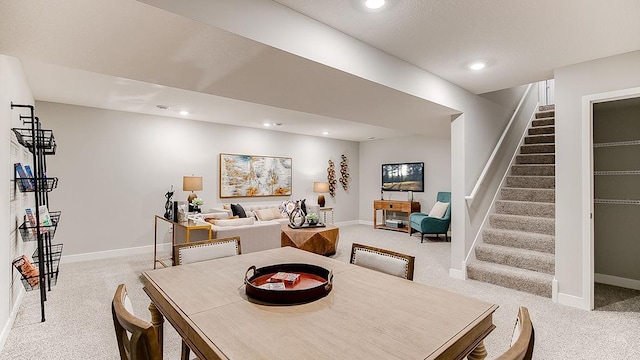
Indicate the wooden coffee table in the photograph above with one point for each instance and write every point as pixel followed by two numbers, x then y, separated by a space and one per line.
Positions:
pixel 319 240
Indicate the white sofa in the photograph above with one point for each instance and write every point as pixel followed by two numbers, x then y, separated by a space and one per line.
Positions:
pixel 251 208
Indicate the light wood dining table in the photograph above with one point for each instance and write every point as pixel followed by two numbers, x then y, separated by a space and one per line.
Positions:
pixel 367 314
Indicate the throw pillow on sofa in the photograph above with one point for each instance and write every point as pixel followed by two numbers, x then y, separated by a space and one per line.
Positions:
pixel 234 222
pixel 264 214
pixel 237 209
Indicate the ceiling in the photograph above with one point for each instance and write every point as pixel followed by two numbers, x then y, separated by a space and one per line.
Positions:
pixel 130 56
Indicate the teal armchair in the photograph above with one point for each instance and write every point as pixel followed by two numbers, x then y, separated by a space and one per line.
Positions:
pixel 424 224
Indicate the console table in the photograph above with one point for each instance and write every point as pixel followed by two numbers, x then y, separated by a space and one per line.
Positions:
pixel 406 207
pixel 180 231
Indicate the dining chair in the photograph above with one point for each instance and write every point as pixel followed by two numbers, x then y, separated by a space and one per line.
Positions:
pixel 137 339
pixel 522 339
pixel 206 250
pixel 383 260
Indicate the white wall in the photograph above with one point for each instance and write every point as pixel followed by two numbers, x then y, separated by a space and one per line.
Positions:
pixel 115 167
pixel 572 83
pixel 434 152
pixel 13 88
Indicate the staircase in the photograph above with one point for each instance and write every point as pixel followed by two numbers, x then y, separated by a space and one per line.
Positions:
pixel 519 244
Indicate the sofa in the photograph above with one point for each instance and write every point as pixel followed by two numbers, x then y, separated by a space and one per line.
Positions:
pixel 254 235
pixel 258 230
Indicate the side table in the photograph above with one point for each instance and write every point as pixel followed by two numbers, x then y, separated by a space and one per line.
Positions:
pixel 184 227
pixel 323 211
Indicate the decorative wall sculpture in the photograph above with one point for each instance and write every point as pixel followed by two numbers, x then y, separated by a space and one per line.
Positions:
pixel 331 178
pixel 251 175
pixel 344 172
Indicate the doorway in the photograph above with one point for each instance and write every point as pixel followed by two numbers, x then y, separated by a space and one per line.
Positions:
pixel 614 275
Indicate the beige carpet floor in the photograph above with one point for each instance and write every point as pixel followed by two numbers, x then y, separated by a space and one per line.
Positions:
pixel 79 324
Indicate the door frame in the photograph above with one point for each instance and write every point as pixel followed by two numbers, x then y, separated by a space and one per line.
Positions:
pixel 588 256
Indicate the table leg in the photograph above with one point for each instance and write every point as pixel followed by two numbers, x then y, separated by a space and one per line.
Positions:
pixel 157 321
pixel 479 353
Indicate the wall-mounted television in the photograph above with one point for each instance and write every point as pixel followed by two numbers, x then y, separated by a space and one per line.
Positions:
pixel 403 177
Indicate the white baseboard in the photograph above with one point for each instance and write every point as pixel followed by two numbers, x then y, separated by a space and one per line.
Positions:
pixel 6 329
pixel 347 223
pixel 554 290
pixel 617 281
pixel 574 301
pixel 457 274
pixel 165 247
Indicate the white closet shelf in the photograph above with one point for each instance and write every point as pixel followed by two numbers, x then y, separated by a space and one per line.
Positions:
pixel 617 143
pixel 616 202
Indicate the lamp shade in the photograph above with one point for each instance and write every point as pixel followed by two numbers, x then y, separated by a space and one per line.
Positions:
pixel 320 187
pixel 192 183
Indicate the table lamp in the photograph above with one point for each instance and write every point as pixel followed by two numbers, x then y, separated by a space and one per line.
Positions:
pixel 320 187
pixel 192 183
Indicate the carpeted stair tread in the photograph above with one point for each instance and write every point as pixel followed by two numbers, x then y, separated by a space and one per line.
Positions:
pixel 519 258
pixel 540 139
pixel 540 130
pixel 536 159
pixel 531 182
pixel 547 107
pixel 522 194
pixel 545 114
pixel 537 225
pixel 533 169
pixel 538 149
pixel 526 208
pixel 529 281
pixel 520 240
pixel 543 122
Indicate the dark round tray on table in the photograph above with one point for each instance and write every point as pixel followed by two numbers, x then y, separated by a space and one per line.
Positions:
pixel 314 283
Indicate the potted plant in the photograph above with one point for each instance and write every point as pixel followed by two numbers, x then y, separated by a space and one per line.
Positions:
pixel 196 203
pixel 312 218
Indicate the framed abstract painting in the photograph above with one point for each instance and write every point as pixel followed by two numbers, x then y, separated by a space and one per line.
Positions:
pixel 254 176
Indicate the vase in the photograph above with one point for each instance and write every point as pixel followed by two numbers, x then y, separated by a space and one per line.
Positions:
pixel 297 217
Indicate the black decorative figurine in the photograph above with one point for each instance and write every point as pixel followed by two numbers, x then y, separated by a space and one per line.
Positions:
pixel 168 208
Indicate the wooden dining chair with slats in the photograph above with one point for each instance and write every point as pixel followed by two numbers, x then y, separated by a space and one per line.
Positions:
pixel 206 250
pixel 522 339
pixel 137 339
pixel 383 260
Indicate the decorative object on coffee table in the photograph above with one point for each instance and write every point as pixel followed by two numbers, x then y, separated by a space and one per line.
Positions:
pixel 321 187
pixel 331 178
pixel 297 216
pixel 312 218
pixel 168 206
pixel 344 172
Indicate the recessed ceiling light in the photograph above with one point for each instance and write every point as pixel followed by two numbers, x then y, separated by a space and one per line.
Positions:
pixel 374 4
pixel 184 112
pixel 267 124
pixel 325 133
pixel 477 66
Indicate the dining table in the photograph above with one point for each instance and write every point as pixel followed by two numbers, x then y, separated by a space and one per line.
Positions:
pixel 367 314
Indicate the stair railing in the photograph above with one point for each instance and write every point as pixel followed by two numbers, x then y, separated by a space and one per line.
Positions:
pixel 469 198
pixel 477 237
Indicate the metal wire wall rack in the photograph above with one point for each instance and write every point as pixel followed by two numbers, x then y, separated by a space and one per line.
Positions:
pixel 40 143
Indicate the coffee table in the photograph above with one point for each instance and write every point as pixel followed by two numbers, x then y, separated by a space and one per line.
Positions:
pixel 319 240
